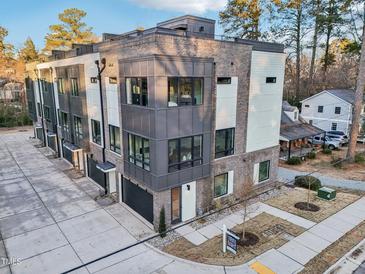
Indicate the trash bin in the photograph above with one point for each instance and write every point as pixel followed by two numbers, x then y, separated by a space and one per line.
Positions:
pixel 327 193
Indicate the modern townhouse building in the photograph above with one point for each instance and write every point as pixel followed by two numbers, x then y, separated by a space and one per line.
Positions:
pixel 187 120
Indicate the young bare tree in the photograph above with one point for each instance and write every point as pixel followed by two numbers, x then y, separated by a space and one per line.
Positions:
pixel 359 93
pixel 246 194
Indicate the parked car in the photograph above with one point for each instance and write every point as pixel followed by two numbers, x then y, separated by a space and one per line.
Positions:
pixel 338 136
pixel 361 139
pixel 320 140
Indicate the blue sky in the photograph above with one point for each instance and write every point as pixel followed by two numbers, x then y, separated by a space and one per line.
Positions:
pixel 31 18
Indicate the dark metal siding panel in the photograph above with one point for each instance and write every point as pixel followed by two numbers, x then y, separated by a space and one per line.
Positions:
pixel 94 173
pixel 138 199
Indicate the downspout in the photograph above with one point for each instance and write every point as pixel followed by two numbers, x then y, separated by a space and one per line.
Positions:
pixel 41 104
pixel 100 71
pixel 55 114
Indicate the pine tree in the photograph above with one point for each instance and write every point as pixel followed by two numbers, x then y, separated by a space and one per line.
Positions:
pixel 162 225
pixel 28 53
pixel 71 30
pixel 242 18
pixel 6 50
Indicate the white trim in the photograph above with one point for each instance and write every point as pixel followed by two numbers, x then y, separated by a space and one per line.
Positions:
pixel 322 92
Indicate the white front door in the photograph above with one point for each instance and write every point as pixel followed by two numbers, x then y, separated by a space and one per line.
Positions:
pixel 188 201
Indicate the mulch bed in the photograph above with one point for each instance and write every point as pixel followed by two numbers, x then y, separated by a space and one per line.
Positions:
pixel 307 206
pixel 272 232
pixel 250 239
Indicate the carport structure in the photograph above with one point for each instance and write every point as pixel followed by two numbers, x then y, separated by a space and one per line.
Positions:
pixel 294 136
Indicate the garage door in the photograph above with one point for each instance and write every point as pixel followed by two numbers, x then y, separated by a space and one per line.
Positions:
pixel 94 173
pixel 138 199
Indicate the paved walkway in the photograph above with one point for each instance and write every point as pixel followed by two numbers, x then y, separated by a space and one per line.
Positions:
pixel 52 224
pixel 288 175
pixel 201 235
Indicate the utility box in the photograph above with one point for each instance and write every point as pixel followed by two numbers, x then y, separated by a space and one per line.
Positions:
pixel 327 193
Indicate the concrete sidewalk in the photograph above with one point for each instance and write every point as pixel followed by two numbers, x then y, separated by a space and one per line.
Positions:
pixel 288 175
pixel 50 223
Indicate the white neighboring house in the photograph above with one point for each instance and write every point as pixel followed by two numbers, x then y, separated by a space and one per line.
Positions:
pixel 330 109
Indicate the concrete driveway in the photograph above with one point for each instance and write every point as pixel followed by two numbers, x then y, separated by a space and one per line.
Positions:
pixel 50 223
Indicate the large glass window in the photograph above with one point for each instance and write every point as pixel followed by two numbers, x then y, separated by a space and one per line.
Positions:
pixel 95 131
pixel 114 138
pixel 224 142
pixel 60 86
pixel 185 152
pixel 137 91
pixel 264 171
pixel 220 185
pixel 139 151
pixel 74 87
pixel 185 91
pixel 44 85
pixel 78 129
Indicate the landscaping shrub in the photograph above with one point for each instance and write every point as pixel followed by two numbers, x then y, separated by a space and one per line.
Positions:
pixel 294 161
pixel 162 224
pixel 303 181
pixel 359 158
pixel 327 151
pixel 312 155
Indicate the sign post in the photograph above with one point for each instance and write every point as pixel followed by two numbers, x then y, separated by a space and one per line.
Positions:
pixel 230 240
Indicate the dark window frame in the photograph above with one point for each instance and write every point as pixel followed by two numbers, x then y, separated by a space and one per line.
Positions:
pixel 226 182
pixel 112 139
pixel 93 80
pixel 228 150
pixel 140 99
pixel 94 136
pixel 179 99
pixel 47 113
pixel 60 86
pixel 320 109
pixel 194 161
pixel 338 110
pixel 79 135
pixel 132 158
pixel 270 80
pixel 44 85
pixel 64 122
pixel 224 80
pixel 267 177
pixel 334 126
pixel 74 92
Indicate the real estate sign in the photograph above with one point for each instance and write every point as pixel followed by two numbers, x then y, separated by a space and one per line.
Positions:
pixel 230 240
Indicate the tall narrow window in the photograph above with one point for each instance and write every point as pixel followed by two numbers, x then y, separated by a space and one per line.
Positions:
pixel 78 130
pixel 224 142
pixel 74 87
pixel 44 85
pixel 185 152
pixel 47 113
pixel 185 91
pixel 60 86
pixel 96 132
pixel 64 123
pixel 220 185
pixel 114 138
pixel 139 151
pixel 334 126
pixel 264 171
pixel 137 91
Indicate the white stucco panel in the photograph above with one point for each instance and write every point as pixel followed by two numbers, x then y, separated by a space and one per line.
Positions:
pixel 226 105
pixel 265 100
pixel 112 103
pixel 188 201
